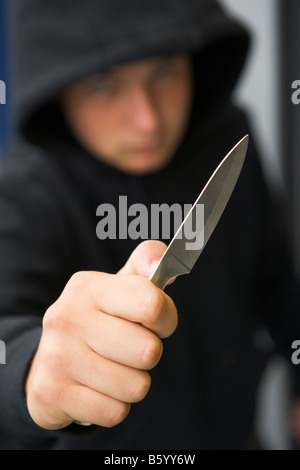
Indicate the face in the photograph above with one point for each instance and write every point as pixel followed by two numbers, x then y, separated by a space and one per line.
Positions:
pixel 134 116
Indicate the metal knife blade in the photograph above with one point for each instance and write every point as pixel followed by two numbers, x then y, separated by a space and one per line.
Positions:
pixel 178 258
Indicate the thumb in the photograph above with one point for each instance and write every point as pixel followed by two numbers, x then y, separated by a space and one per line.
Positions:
pixel 142 259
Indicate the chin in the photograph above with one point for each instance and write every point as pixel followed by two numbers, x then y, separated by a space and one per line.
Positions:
pixel 137 164
pixel 144 169
pixel 144 166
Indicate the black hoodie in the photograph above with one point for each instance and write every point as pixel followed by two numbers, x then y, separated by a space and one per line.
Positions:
pixel 203 390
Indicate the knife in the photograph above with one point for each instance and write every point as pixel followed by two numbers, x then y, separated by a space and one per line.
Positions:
pixel 178 259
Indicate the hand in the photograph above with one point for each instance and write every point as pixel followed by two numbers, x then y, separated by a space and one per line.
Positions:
pixel 99 340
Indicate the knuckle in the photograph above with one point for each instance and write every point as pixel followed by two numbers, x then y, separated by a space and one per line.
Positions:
pixel 64 311
pixel 44 391
pixel 56 316
pixel 64 314
pixel 141 387
pixel 153 305
pixel 174 318
pixel 117 413
pixel 51 365
pixel 151 353
pixel 53 316
pixel 81 279
pixel 38 389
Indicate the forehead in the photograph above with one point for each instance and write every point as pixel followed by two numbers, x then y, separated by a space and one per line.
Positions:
pixel 146 65
pixel 131 72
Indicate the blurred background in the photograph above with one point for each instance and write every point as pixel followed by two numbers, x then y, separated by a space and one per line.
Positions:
pixel 4 76
pixel 265 91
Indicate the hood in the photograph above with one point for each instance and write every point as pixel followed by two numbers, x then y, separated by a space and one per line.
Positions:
pixel 57 42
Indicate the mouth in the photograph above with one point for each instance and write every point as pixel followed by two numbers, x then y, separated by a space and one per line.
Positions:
pixel 147 148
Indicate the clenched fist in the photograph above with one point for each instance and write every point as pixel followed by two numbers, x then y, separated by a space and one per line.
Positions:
pixel 99 340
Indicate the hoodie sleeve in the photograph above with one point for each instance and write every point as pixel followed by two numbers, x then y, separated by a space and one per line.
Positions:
pixel 34 264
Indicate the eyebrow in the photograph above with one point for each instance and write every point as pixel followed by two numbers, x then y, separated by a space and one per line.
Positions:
pixel 158 58
pixel 110 72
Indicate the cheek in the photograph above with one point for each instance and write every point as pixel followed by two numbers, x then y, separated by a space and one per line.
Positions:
pixel 96 127
pixel 177 107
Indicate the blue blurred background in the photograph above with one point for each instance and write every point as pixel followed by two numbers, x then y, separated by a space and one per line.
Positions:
pixel 5 128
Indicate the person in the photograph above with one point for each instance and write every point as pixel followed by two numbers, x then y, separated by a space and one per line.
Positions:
pixel 132 98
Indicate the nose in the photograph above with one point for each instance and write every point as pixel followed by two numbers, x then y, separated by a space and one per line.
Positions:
pixel 143 110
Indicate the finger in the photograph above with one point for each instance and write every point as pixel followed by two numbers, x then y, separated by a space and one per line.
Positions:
pixel 131 297
pixel 123 341
pixel 113 379
pixel 136 299
pixel 83 404
pixel 141 259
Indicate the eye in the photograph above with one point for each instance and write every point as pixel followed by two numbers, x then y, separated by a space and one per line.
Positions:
pixel 102 85
pixel 166 70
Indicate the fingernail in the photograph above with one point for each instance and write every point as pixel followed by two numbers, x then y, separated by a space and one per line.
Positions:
pixel 153 266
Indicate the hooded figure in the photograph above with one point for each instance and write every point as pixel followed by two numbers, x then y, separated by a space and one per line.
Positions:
pixel 203 389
